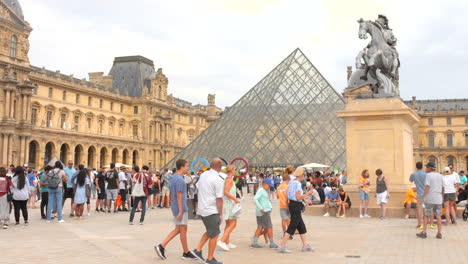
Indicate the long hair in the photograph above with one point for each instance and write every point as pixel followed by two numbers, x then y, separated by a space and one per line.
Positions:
pixel 19 172
pixel 81 177
pixel 289 170
pixel 364 172
pixel 3 172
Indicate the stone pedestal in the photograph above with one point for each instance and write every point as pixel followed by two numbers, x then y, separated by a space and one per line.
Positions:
pixel 379 134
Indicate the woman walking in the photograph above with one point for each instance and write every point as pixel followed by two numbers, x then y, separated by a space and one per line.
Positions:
pixel 230 201
pixel 381 193
pixel 364 190
pixel 295 196
pixel 5 187
pixel 55 179
pixel 82 189
pixel 21 192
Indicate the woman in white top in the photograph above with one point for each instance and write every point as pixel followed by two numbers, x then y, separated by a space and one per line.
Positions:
pixel 451 185
pixel 21 192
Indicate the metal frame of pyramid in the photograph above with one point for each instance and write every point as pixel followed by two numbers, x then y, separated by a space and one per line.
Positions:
pixel 288 118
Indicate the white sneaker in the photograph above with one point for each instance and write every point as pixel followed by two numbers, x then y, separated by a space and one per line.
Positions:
pixel 223 245
pixel 361 216
pixel 337 215
pixel 406 216
pixel 231 246
pixel 48 221
pixel 343 216
pixel 89 214
pixel 61 221
pixel 367 216
pixel 326 215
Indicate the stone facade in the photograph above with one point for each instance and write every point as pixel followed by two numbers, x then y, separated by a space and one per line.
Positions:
pixel 45 113
pixel 442 134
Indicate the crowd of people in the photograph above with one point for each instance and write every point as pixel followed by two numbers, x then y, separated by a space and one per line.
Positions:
pixel 216 193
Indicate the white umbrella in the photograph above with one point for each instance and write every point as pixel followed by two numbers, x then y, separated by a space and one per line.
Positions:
pixel 118 165
pixel 314 165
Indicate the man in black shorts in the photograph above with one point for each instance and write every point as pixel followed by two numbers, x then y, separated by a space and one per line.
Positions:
pixel 210 207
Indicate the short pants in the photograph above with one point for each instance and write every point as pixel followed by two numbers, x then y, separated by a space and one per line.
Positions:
pixel 112 194
pixel 212 223
pixel 430 208
pixel 184 220
pixel 264 220
pixel 284 213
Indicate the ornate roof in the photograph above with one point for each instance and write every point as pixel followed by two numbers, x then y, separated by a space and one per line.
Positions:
pixel 130 73
pixel 15 5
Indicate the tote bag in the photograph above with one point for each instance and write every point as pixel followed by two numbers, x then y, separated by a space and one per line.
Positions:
pixel 137 190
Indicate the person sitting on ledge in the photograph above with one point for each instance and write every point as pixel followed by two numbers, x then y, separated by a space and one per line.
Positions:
pixel 332 200
pixel 463 197
pixel 314 198
pixel 345 202
pixel 410 201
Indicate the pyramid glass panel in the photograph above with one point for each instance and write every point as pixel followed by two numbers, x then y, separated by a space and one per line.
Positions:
pixel 288 118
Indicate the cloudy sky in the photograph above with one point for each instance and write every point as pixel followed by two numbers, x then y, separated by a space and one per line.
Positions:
pixel 226 46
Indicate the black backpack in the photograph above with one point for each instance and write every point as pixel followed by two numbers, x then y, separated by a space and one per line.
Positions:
pixel 54 179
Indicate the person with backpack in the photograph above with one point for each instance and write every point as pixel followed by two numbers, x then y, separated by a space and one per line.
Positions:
pixel 21 192
pixel 112 179
pixel 55 181
pixel 5 187
pixel 141 183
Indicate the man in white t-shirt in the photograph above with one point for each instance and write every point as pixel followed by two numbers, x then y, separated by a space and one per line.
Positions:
pixel 123 188
pixel 210 207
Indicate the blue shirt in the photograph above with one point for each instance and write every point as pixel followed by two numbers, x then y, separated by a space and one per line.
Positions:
pixel 332 196
pixel 178 185
pixel 293 188
pixel 69 172
pixel 31 179
pixel 419 178
pixel 45 188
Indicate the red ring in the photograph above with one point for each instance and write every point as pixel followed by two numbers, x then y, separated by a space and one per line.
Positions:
pixel 246 165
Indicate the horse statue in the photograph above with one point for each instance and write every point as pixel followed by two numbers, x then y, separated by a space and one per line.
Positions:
pixel 380 56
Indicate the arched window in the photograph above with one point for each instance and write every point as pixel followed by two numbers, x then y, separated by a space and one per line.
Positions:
pixel 450 160
pixel 13 46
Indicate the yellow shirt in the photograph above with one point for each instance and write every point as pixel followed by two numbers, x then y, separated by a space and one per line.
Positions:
pixel 409 198
pixel 282 192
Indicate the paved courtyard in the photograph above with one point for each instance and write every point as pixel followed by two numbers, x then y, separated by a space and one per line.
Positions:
pixel 107 238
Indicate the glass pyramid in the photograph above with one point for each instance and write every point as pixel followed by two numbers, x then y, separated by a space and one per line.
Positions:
pixel 288 118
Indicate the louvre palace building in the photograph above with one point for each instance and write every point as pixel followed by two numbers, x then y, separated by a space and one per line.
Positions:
pixel 126 116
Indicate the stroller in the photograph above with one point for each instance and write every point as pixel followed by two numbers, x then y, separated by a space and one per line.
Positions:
pixel 465 213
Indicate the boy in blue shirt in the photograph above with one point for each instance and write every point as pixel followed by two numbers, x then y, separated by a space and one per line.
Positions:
pixel 263 211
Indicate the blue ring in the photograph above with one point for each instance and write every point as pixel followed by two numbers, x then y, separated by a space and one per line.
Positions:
pixel 192 166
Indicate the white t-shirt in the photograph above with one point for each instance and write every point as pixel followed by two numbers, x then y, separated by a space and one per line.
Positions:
pixel 435 181
pixel 122 180
pixel 210 186
pixel 449 183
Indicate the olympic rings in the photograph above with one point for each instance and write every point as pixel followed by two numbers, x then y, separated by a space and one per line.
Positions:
pixel 225 162
pixel 192 166
pixel 247 168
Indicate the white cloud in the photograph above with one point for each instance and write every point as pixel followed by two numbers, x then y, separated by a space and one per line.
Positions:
pixel 226 47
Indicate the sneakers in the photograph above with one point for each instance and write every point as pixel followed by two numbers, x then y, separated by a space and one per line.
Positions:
pixel 343 216
pixel 198 255
pixel 283 250
pixel 231 246
pixel 213 261
pixel 421 235
pixel 406 216
pixel 382 217
pixel 130 223
pixel 367 216
pixel 326 215
pixel 61 221
pixel 188 256
pixel 337 215
pixel 273 246
pixel 125 210
pixel 361 216
pixel 432 226
pixel 255 246
pixel 222 245
pixel 5 226
pixel 419 226
pixel 307 248
pixel 141 223
pixel 26 223
pixel 439 236
pixel 160 251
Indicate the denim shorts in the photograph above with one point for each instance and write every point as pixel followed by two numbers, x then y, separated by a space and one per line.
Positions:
pixel 363 195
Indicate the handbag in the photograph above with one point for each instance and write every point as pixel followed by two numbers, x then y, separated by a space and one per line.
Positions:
pixel 138 190
pixel 236 210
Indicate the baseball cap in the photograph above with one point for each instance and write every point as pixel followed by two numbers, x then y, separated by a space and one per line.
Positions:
pixel 447 169
pixel 269 182
pixel 462 171
pixel 431 165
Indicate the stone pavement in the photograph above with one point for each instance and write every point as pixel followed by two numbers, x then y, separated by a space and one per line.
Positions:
pixel 107 238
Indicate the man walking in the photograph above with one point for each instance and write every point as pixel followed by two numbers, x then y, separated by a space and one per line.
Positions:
pixel 179 211
pixel 433 198
pixel 210 208
pixel 419 179
pixel 112 179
